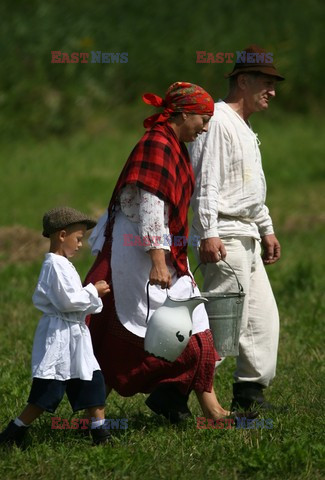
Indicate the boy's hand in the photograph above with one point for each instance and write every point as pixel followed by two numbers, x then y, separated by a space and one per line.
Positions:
pixel 102 288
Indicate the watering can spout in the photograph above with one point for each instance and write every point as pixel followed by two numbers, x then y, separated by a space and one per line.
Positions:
pixel 189 303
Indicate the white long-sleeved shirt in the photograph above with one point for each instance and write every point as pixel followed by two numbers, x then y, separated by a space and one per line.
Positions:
pixel 141 213
pixel 62 346
pixel 230 186
pixel 149 212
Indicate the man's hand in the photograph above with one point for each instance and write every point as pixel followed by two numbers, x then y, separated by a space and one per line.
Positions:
pixel 212 250
pixel 271 249
pixel 159 273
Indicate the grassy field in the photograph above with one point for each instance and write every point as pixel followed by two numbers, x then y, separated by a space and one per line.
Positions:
pixel 81 171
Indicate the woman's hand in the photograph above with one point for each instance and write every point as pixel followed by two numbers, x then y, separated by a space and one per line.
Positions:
pixel 159 273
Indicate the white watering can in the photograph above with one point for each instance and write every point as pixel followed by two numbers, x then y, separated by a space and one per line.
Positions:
pixel 170 327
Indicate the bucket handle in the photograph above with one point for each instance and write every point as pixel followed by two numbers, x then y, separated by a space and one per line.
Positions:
pixel 240 287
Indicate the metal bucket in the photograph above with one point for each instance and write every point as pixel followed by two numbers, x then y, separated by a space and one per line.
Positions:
pixel 225 313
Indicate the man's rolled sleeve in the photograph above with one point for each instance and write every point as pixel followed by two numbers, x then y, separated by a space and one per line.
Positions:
pixel 264 222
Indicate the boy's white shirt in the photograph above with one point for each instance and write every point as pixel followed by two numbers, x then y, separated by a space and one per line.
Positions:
pixel 62 346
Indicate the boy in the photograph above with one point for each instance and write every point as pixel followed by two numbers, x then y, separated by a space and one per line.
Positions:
pixel 62 357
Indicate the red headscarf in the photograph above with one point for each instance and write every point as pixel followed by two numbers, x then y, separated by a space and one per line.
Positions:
pixel 180 97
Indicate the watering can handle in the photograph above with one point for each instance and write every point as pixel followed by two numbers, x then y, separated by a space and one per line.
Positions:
pixel 240 287
pixel 148 299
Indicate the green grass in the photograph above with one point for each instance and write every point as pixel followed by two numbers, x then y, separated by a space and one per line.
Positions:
pixel 81 171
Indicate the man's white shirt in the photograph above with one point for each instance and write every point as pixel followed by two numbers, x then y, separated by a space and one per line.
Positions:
pixel 230 189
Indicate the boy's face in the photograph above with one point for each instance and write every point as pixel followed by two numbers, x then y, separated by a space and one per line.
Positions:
pixel 71 239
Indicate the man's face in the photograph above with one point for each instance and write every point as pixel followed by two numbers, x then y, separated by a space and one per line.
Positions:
pixel 259 90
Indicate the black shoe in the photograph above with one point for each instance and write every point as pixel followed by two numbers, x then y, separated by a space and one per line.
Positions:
pixel 101 435
pixel 166 400
pixel 13 434
pixel 249 396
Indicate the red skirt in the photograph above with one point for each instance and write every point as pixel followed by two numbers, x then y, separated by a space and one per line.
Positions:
pixel 127 367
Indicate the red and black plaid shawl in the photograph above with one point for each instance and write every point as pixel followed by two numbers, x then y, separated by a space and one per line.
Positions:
pixel 160 164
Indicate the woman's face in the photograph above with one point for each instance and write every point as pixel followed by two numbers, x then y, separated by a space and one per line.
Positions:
pixel 193 125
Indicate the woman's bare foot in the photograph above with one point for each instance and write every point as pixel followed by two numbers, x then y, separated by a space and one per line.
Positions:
pixel 210 406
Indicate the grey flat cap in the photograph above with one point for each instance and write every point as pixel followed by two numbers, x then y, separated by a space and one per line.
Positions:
pixel 61 217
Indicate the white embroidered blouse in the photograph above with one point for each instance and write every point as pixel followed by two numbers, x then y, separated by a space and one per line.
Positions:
pixel 150 212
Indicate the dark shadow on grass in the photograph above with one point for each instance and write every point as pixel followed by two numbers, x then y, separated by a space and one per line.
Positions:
pixel 151 422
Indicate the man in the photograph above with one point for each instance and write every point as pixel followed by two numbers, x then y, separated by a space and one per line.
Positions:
pixel 232 220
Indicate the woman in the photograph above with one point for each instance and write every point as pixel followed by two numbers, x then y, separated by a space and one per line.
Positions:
pixel 147 211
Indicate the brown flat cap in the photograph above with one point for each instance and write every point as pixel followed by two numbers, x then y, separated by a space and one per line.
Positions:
pixel 61 217
pixel 255 59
